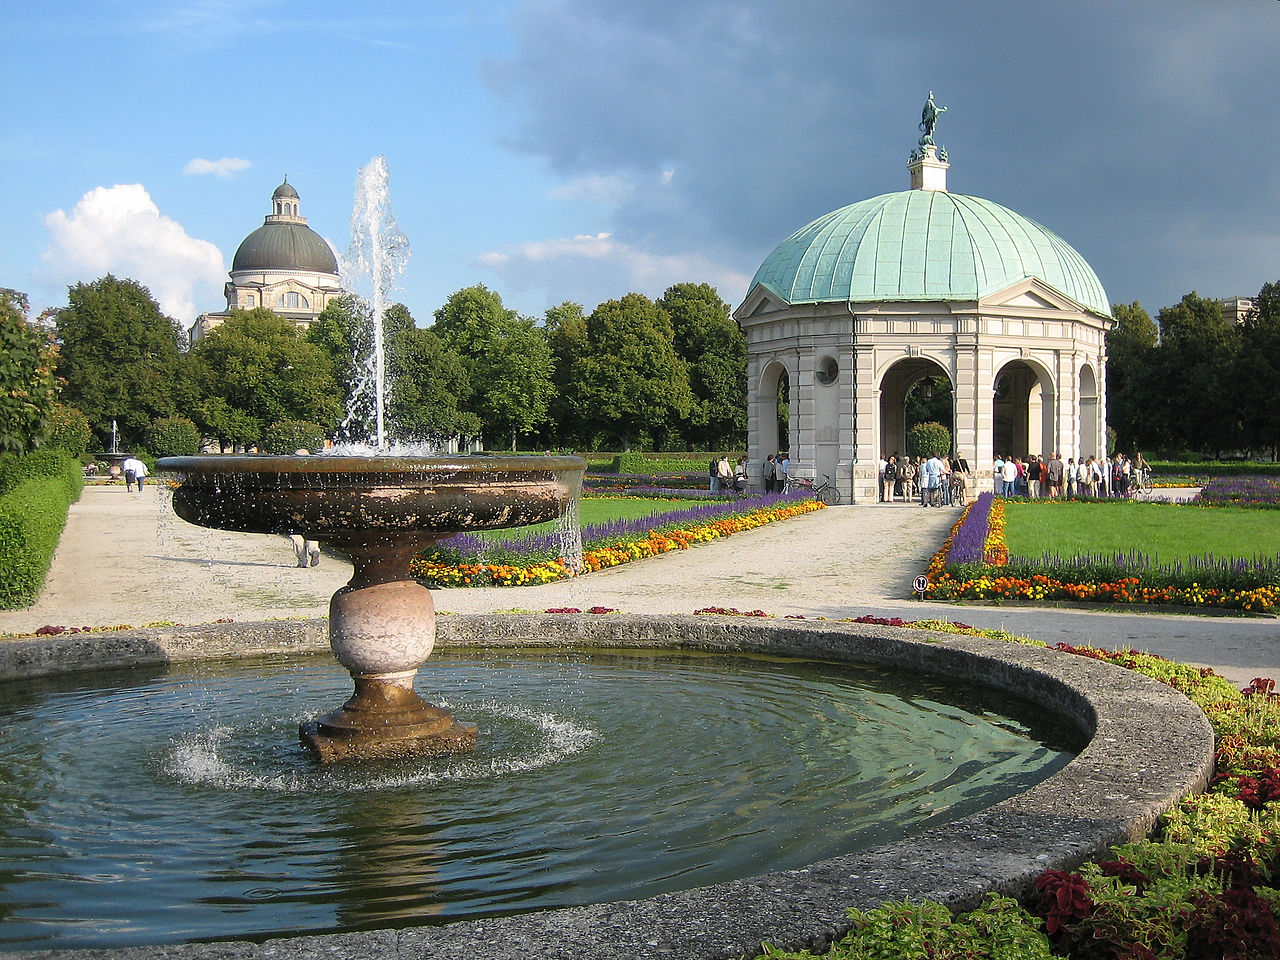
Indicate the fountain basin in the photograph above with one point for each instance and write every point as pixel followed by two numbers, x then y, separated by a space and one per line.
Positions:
pixel 1149 746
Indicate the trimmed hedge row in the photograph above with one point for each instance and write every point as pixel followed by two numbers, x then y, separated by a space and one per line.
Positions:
pixel 1215 468
pixel 33 510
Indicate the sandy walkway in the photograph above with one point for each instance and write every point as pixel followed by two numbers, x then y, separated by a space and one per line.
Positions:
pixel 126 559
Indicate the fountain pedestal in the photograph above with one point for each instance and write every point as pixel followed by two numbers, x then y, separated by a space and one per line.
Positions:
pixel 382 628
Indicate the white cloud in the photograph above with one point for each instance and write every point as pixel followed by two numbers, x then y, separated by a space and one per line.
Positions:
pixel 591 268
pixel 220 168
pixel 120 230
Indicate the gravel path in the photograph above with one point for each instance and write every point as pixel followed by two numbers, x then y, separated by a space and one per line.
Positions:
pixel 126 559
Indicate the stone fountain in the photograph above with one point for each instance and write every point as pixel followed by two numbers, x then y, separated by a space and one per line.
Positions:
pixel 379 511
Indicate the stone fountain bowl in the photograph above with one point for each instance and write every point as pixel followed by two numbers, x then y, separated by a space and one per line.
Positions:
pixel 336 498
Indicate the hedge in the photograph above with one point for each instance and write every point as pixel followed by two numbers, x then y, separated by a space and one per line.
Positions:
pixel 33 512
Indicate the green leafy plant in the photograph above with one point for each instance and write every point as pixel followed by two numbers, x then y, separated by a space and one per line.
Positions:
pixel 173 437
pixel 289 435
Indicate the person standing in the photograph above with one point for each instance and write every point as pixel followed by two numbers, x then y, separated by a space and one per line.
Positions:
pixel 713 472
pixel 932 471
pixel 768 474
pixel 740 475
pixel 724 474
pixel 307 551
pixel 890 478
pixel 780 465
pixel 1055 475
pixel 880 475
pixel 134 472
pixel 1010 472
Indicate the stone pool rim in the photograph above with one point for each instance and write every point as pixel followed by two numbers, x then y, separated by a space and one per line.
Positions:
pixel 1148 747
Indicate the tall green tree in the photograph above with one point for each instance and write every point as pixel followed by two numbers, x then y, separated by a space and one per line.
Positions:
pixel 28 389
pixel 714 349
pixel 508 362
pixel 119 356
pixel 257 369
pixel 1191 398
pixel 632 387
pixel 429 384
pixel 1131 356
pixel 565 327
pixel 1256 376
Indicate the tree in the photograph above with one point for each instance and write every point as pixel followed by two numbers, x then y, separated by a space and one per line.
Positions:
pixel 508 361
pixel 119 356
pixel 715 352
pixel 28 389
pixel 173 437
pixel 565 327
pixel 1131 351
pixel 430 387
pixel 1191 400
pixel 1256 375
pixel 631 386
pixel 256 369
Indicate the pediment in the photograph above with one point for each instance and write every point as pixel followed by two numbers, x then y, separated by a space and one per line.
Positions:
pixel 759 304
pixel 1032 294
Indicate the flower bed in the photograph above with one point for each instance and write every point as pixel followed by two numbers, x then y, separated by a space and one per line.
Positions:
pixel 455 562
pixel 974 564
pixel 1255 491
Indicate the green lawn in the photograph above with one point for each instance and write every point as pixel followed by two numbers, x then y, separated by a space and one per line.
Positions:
pixel 1161 531
pixel 598 510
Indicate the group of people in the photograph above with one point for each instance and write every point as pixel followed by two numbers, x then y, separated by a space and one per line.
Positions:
pixel 724 476
pixel 936 481
pixel 776 466
pixel 1118 476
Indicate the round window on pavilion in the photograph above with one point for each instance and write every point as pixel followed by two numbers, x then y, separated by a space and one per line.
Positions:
pixel 828 370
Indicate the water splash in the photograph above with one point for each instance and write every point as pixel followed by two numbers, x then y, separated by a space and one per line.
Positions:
pixel 213 758
pixel 378 254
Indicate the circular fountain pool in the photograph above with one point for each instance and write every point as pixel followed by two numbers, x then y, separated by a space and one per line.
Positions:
pixel 180 807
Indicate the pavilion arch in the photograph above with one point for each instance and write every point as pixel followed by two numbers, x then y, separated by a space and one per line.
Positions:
pixel 773 380
pixel 1023 410
pixel 894 385
pixel 1092 437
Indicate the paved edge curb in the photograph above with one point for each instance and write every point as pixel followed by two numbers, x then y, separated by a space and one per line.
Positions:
pixel 1149 747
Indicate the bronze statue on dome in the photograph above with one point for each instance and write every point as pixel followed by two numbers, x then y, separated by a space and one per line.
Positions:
pixel 929 119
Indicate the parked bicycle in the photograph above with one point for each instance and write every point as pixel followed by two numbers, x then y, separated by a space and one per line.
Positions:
pixel 1140 488
pixel 825 491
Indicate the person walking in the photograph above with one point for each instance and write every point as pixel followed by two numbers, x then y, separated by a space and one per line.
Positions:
pixel 134 472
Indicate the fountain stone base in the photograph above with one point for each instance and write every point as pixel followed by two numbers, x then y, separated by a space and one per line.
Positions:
pixel 385 720
pixel 382 631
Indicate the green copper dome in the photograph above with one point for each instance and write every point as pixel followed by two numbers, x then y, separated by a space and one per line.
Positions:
pixel 924 245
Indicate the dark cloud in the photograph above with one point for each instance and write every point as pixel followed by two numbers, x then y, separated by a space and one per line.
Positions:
pixel 1139 131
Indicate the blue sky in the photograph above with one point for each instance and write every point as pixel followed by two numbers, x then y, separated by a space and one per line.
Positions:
pixel 570 150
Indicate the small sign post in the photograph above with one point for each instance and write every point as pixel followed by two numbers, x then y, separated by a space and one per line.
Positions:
pixel 921 584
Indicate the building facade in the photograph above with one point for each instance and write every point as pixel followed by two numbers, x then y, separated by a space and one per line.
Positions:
pixel 851 311
pixel 284 266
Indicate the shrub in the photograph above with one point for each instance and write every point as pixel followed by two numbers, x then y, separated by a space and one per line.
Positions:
pixel 628 463
pixel 289 435
pixel 33 512
pixel 926 439
pixel 69 430
pixel 173 437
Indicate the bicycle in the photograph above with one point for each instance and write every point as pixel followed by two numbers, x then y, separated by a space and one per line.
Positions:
pixel 827 493
pixel 1141 489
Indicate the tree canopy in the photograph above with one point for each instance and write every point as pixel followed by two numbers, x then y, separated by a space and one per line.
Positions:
pixel 28 390
pixel 507 359
pixel 714 350
pixel 256 369
pixel 119 356
pixel 631 385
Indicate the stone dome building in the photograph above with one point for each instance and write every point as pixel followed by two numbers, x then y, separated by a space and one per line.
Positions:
pixel 284 265
pixel 852 310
